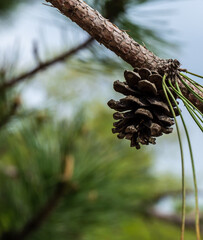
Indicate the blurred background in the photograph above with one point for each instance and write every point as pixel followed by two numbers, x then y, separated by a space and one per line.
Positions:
pixel 63 174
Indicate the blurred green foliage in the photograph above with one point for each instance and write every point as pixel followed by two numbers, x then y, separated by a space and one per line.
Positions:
pixel 114 184
pixel 137 228
pixel 8 5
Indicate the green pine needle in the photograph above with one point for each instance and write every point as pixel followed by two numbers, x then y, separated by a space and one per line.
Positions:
pixel 192 163
pixel 182 158
pixel 186 101
pixel 190 110
pixel 190 89
pixel 190 107
pixel 194 74
pixel 198 86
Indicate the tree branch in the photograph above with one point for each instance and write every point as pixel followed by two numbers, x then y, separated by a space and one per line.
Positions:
pixel 107 33
pixel 12 111
pixel 67 54
pixel 43 66
pixel 173 219
pixel 37 220
pixel 117 40
pixel 62 187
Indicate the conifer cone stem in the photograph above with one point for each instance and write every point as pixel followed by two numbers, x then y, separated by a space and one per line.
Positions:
pixel 117 40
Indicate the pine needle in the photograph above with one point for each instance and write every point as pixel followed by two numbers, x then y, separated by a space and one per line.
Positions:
pixel 192 163
pixel 190 89
pixel 193 82
pixel 190 107
pixel 182 158
pixel 179 93
pixel 194 74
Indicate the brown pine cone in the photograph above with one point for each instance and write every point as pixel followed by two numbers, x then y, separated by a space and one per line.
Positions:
pixel 144 113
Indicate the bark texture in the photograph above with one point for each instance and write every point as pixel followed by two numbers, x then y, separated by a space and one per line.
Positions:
pixel 120 42
pixel 108 34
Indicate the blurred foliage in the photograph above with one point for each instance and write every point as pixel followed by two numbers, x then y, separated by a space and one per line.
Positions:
pixel 137 228
pixel 114 184
pixel 8 5
pixel 9 102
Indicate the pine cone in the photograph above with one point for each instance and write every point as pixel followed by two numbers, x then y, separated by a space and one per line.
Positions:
pixel 144 113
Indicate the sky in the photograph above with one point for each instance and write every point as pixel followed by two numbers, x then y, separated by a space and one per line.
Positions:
pixel 183 19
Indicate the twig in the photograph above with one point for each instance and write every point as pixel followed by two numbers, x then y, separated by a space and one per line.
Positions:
pixel 64 186
pixel 5 119
pixel 63 56
pixel 170 193
pixel 173 219
pixel 37 220
pixel 43 66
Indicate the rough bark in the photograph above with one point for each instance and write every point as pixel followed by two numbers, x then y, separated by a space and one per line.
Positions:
pixel 119 41
pixel 108 34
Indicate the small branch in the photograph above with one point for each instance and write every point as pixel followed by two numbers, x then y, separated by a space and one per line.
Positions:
pixel 5 119
pixel 173 219
pixel 43 66
pixel 62 187
pixel 170 193
pixel 63 56
pixel 37 220
pixel 117 40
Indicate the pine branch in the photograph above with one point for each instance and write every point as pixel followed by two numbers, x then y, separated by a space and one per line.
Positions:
pixel 173 219
pixel 37 220
pixel 107 33
pixel 13 109
pixel 64 186
pixel 45 65
pixel 62 57
pixel 117 40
